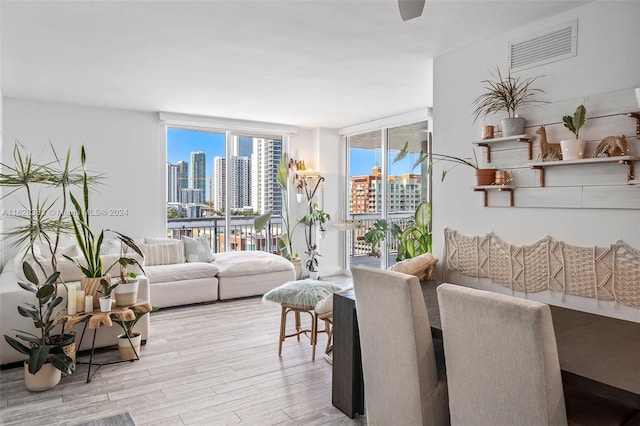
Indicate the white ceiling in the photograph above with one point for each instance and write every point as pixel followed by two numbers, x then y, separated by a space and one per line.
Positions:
pixel 310 63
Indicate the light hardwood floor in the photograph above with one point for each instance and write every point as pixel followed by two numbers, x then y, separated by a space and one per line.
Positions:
pixel 211 364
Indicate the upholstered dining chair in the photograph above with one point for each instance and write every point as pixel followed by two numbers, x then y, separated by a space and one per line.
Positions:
pixel 501 357
pixel 401 381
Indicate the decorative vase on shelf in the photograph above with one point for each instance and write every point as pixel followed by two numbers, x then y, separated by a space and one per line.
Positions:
pixel 512 126
pixel 572 149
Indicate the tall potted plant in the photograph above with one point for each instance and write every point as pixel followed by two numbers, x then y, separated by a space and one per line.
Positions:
pixel 508 94
pixel 90 245
pixel 46 361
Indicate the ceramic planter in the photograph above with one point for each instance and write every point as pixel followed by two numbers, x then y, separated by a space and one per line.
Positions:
pixel 512 126
pixel 314 275
pixel 124 347
pixel 572 149
pixel 46 378
pixel 105 304
pixel 297 263
pixel 126 294
pixel 485 176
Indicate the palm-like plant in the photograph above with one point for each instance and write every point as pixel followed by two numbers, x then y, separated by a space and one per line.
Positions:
pixel 505 93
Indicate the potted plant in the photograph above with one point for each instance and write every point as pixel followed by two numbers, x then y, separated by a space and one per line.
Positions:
pixel 90 245
pixel 416 239
pixel 311 263
pixel 378 233
pixel 129 342
pixel 127 290
pixel 506 93
pixel 106 287
pixel 484 176
pixel 573 149
pixel 314 217
pixel 46 361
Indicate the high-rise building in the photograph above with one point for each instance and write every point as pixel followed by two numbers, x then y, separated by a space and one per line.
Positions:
pixel 191 196
pixel 245 146
pixel 403 192
pixel 266 194
pixel 198 173
pixel 172 183
pixel 239 182
pixel 183 175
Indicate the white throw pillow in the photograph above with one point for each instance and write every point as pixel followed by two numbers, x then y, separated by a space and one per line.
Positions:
pixel 163 254
pixel 197 249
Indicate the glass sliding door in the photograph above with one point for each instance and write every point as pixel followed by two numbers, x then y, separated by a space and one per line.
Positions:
pixel 386 184
pixel 407 178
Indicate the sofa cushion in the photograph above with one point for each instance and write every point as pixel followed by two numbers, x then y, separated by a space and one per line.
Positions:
pixel 148 240
pixel 197 249
pixel 243 263
pixel 163 254
pixel 180 272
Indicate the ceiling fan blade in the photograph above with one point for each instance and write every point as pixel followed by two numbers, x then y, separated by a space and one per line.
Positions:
pixel 410 9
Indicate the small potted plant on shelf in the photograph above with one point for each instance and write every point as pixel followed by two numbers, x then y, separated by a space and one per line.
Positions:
pixel 484 176
pixel 105 290
pixel 311 263
pixel 573 149
pixel 46 361
pixel 131 338
pixel 127 290
pixel 506 93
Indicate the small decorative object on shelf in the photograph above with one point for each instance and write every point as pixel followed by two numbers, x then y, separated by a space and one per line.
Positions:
pixel 548 151
pixel 503 177
pixel 611 146
pixel 487 132
pixel 573 149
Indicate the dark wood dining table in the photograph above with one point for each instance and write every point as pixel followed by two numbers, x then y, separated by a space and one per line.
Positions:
pixel 597 353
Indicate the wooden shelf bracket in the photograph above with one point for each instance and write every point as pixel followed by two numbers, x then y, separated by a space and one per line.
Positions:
pixel 541 169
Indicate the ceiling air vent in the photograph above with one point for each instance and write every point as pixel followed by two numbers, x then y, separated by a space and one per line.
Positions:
pixel 550 45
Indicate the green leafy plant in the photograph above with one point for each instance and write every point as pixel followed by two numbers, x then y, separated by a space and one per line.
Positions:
pixel 577 121
pixel 378 233
pixel 416 239
pixel 505 93
pixel 315 216
pixel 40 349
pixel 127 325
pixel 107 287
pixel 425 156
pixel 89 244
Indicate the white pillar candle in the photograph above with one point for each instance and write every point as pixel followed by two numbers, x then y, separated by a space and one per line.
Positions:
pixel 71 299
pixel 80 300
pixel 88 303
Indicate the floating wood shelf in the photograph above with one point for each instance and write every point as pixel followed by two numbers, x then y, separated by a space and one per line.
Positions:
pixel 486 143
pixel 486 188
pixel 624 159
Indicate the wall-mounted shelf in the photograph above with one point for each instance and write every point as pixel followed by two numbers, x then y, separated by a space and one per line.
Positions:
pixel 500 188
pixel 625 159
pixel 486 143
pixel 636 115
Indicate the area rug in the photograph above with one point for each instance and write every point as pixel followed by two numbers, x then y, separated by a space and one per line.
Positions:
pixel 123 419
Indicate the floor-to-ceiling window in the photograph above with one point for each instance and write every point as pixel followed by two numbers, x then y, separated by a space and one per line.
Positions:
pixel 386 182
pixel 218 182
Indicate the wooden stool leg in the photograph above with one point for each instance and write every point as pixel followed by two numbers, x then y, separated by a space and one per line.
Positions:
pixel 314 334
pixel 283 327
pixel 298 324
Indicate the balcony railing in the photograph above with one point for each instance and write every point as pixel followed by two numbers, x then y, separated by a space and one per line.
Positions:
pixel 243 235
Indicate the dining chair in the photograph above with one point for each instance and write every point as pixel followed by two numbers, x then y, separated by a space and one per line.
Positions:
pixel 402 384
pixel 501 357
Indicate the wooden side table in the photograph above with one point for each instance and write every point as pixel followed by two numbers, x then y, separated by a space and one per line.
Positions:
pixel 97 319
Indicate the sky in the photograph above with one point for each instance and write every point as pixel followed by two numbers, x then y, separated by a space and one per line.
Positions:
pixel 181 142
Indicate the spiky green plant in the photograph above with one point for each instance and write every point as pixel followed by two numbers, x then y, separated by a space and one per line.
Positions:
pixel 505 93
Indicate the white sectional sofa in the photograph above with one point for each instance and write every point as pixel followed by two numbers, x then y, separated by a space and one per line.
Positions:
pixel 169 280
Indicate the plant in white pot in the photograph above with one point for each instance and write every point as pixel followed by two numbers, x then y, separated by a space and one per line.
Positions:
pixel 127 290
pixel 508 94
pixel 46 361
pixel 311 263
pixel 105 290
pixel 129 342
pixel 573 149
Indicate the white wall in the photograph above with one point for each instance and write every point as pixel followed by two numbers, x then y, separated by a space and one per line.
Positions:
pixel 607 60
pixel 127 147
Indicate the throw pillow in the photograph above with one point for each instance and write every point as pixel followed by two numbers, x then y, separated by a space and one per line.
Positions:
pixel 197 249
pixel 302 293
pixel 163 254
